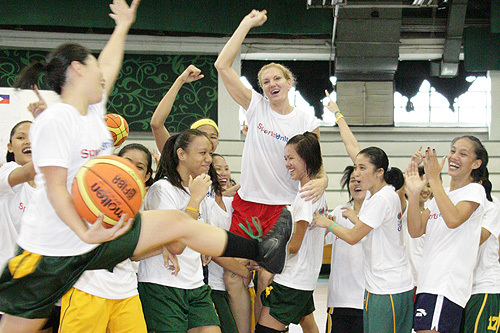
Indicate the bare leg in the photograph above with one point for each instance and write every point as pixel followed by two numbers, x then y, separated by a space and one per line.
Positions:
pixel 13 324
pixel 239 301
pixel 265 278
pixel 269 321
pixel 308 324
pixel 160 227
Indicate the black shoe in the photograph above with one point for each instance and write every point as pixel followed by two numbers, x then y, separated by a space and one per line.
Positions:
pixel 273 248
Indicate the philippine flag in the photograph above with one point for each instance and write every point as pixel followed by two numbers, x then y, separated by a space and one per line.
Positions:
pixel 4 99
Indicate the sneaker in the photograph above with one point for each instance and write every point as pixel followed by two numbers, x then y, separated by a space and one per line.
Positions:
pixel 274 245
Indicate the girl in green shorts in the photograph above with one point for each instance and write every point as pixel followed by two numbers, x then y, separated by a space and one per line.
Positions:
pixel 55 245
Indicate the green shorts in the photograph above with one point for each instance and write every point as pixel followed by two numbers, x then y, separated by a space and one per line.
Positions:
pixel 389 313
pixel 481 314
pixel 31 284
pixel 287 305
pixel 169 309
pixel 221 303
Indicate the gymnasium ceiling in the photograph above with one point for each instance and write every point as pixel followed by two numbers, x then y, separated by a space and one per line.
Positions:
pixel 363 40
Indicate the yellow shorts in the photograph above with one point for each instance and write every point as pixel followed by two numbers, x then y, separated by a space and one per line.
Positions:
pixel 83 313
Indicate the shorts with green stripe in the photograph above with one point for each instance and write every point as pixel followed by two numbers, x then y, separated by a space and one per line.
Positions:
pixel 388 313
pixel 287 305
pixel 481 314
pixel 169 309
pixel 31 284
pixel 220 299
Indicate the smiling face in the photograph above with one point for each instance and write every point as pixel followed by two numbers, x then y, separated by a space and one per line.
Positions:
pixel 223 172
pixel 197 158
pixel 426 192
pixel 140 160
pixel 20 144
pixel 295 165
pixel 274 84
pixel 462 159
pixel 366 174
pixel 357 193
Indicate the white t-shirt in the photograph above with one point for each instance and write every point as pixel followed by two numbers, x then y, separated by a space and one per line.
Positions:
pixel 163 195
pixel 61 136
pixel 302 268
pixel 414 247
pixel 264 177
pixel 346 285
pixel 451 254
pixel 220 219
pixel 387 268
pixel 14 202
pixel 487 272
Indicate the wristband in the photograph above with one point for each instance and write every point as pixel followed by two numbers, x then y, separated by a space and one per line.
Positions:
pixel 335 224
pixel 192 209
pixel 335 113
pixel 337 120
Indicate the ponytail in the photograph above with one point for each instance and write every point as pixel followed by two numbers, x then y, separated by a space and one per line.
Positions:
pixel 394 177
pixel 29 75
pixel 56 64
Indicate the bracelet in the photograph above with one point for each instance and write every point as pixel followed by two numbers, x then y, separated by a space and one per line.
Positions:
pixel 338 111
pixel 339 117
pixel 335 224
pixel 192 209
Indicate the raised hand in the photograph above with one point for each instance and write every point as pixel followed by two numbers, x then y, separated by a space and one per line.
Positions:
pixel 418 157
pixel 255 18
pixel 190 74
pixel 331 106
pixel 432 166
pixel 122 13
pixel 37 107
pixel 413 183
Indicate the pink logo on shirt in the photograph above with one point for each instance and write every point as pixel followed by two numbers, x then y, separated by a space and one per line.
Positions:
pixel 273 134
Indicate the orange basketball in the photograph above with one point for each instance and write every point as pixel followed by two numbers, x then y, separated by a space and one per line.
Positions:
pixel 108 184
pixel 118 127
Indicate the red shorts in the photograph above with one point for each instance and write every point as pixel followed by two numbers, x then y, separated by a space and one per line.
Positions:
pixel 248 214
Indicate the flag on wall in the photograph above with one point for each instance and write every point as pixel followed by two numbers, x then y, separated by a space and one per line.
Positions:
pixel 4 99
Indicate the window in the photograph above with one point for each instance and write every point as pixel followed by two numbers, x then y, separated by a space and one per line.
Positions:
pixel 472 108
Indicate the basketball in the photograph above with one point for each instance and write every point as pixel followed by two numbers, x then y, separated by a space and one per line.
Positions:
pixel 118 127
pixel 108 184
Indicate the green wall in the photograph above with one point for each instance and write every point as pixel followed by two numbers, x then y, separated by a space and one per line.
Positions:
pixel 142 83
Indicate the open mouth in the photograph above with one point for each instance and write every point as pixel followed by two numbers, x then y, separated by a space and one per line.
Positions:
pixel 275 91
pixel 454 166
pixel 26 151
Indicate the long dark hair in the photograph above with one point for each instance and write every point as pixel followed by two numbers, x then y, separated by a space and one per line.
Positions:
pixel 308 148
pixel 10 155
pixel 346 178
pixel 56 64
pixel 169 160
pixel 379 159
pixel 149 158
pixel 480 173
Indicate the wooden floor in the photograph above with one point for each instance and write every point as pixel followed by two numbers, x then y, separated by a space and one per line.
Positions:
pixel 320 294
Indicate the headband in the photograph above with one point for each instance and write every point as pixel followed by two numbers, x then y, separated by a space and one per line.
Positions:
pixel 205 121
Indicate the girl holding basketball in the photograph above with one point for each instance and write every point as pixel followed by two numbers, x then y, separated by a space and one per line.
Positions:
pixel 289 298
pixel 102 300
pixel 452 227
pixel 55 245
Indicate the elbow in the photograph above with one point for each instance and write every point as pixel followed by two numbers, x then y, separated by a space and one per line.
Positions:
pixel 155 124
pixel 352 241
pixel 218 65
pixel 293 249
